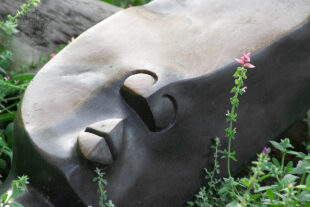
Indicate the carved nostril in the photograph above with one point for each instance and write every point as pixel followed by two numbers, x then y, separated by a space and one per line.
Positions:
pixel 112 131
pixel 94 148
pixel 157 114
pixel 102 141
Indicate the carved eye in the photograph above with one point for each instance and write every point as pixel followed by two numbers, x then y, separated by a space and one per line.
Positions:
pixel 157 113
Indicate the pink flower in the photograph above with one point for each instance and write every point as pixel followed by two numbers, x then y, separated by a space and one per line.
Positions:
pixel 130 5
pixel 7 78
pixel 245 61
pixel 265 150
pixel 227 113
pixel 241 62
pixel 290 185
pixel 53 55
pixel 248 65
pixel 244 89
pixel 246 57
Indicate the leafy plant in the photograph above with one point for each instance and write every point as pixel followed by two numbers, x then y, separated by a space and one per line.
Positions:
pixel 18 187
pixel 237 90
pixel 103 199
pixel 207 196
pixel 8 29
pixel 271 183
pixel 12 85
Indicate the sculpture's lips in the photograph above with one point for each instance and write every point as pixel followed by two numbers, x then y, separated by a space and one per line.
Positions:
pixel 101 141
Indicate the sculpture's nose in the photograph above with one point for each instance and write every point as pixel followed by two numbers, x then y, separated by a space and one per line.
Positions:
pixel 101 142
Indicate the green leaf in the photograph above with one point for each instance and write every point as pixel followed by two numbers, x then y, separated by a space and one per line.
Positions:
pixel 244 76
pixel 301 168
pixel 245 182
pixel 288 179
pixel 277 146
pixel 265 188
pixel 233 90
pixel 14 204
pixel 270 194
pixel 233 158
pixel 289 167
pixel 236 74
pixel 4 197
pixel 23 77
pixel 276 162
pixel 297 154
pixel 255 196
pixel 19 186
pixel 264 177
pixel 304 197
pixel 286 143
pixel 7 117
pixel 16 191
pixel 308 181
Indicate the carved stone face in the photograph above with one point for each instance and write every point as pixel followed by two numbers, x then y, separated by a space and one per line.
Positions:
pixel 143 93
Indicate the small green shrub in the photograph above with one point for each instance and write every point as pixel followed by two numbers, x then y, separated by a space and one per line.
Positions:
pixel 103 199
pixel 18 187
pixel 8 29
pixel 12 85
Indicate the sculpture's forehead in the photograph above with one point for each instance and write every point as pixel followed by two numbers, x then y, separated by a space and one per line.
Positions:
pixel 193 37
pixel 183 39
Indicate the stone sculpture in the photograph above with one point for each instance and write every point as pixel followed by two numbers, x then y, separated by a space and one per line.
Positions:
pixel 144 92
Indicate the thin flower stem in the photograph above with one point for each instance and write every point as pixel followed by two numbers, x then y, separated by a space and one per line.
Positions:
pixel 231 128
pixel 282 161
pixel 301 183
pixel 229 141
pixel 215 161
pixel 282 165
pixel 252 181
